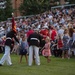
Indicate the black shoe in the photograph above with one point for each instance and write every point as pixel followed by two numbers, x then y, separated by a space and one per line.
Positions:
pixel 1 65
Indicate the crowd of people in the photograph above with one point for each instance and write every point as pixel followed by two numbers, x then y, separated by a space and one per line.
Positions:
pixel 52 33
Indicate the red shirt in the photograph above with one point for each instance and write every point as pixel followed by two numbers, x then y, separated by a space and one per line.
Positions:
pixel 44 33
pixel 53 34
pixel 60 44
pixel 29 32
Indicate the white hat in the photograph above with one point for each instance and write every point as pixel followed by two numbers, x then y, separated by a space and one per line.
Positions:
pixel 36 29
pixel 45 27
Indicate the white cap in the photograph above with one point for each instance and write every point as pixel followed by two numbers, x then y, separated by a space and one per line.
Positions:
pixel 36 29
pixel 45 27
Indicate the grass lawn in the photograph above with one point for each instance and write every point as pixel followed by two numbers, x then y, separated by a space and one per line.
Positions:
pixel 57 66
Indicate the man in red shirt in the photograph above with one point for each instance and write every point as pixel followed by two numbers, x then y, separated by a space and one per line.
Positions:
pixel 44 32
pixel 53 34
pixel 30 32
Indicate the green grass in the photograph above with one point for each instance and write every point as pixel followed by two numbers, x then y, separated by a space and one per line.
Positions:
pixel 57 66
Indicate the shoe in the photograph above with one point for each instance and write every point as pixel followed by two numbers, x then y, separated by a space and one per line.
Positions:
pixel 1 65
pixel 38 64
pixel 10 65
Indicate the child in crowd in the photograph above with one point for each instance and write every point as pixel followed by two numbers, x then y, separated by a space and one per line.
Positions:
pixel 46 51
pixel 24 48
pixel 54 46
pixel 59 46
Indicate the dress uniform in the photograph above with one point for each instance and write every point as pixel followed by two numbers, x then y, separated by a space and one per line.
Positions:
pixel 34 42
pixel 8 44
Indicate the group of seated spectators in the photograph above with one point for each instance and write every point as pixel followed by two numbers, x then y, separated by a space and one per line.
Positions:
pixel 59 25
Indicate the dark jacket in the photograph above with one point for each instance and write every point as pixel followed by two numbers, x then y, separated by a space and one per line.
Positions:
pixel 34 39
pixel 9 37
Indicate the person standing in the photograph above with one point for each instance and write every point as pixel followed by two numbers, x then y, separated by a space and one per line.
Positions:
pixel 24 47
pixel 66 38
pixel 44 32
pixel 53 33
pixel 30 32
pixel 34 41
pixel 73 43
pixel 8 45
pixel 59 46
pixel 46 51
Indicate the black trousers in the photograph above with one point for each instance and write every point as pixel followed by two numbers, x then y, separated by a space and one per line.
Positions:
pixel 57 53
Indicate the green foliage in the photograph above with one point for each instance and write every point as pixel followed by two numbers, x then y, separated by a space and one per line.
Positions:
pixel 6 13
pixel 72 1
pixel 29 7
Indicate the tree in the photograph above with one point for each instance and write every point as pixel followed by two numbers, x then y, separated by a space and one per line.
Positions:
pixel 29 7
pixel 72 1
pixel 6 12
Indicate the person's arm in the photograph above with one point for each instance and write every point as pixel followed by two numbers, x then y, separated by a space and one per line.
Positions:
pixel 16 39
pixel 28 39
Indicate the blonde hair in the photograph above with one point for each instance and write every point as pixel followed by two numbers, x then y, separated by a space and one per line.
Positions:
pixel 47 38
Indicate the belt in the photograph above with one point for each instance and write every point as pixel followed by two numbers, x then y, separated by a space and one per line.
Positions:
pixel 35 39
pixel 8 38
